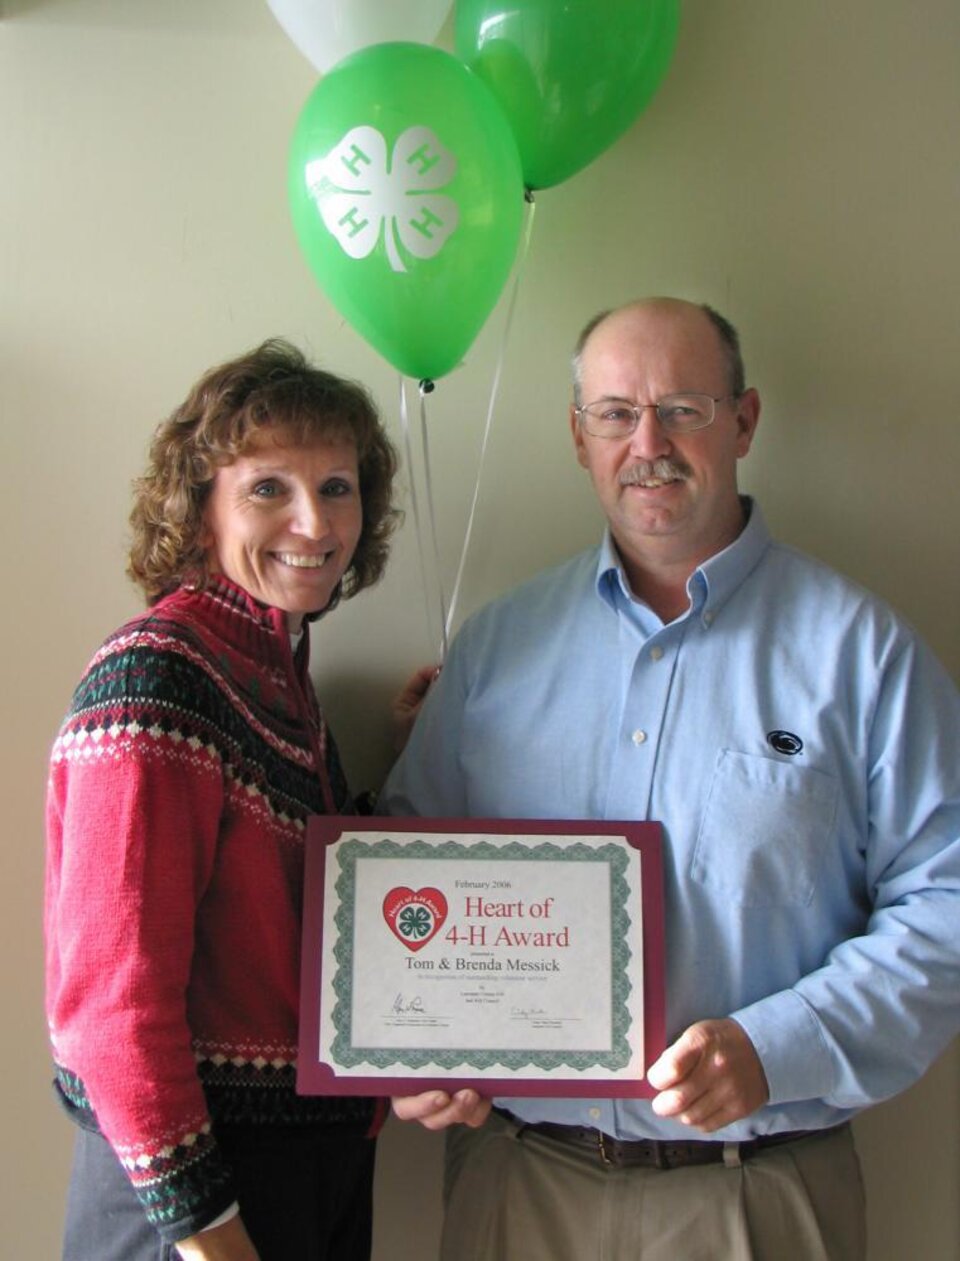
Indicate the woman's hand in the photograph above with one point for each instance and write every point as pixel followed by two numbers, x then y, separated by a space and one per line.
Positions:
pixel 229 1242
pixel 406 704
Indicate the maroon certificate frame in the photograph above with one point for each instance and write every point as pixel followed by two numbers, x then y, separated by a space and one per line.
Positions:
pixel 517 956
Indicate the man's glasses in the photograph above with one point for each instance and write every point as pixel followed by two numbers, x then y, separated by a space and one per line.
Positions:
pixel 679 413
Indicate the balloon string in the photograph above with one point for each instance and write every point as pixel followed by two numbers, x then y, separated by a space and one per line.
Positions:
pixel 414 502
pixel 508 324
pixel 425 388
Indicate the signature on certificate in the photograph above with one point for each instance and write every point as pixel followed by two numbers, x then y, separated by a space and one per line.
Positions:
pixel 403 1006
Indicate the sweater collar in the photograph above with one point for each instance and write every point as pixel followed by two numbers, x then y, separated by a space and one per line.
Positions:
pixel 238 619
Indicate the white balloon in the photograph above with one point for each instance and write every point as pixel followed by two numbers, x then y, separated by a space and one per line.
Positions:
pixel 325 31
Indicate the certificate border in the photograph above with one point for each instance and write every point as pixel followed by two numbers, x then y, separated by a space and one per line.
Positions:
pixel 315 1076
pixel 617 1056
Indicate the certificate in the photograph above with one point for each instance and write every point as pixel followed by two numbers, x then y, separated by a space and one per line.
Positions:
pixel 522 957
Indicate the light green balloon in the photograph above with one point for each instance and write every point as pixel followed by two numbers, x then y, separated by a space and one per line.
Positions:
pixel 571 75
pixel 407 199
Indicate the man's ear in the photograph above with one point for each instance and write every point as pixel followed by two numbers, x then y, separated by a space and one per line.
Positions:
pixel 748 417
pixel 576 429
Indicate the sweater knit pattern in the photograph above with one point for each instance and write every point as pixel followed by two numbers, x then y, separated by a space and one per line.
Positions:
pixel 180 786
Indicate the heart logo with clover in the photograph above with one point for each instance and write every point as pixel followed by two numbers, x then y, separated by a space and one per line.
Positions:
pixel 414 916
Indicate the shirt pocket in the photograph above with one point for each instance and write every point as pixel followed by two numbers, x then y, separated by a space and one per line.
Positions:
pixel 764 830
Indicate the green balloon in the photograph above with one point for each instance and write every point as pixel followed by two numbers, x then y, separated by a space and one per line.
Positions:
pixel 571 75
pixel 407 199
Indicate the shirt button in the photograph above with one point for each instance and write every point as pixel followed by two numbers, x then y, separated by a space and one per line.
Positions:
pixel 656 652
pixel 594 1114
pixel 638 736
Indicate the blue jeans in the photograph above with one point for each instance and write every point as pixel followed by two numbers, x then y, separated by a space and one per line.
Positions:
pixel 304 1194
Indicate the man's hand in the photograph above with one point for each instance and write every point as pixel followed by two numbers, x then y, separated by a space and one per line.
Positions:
pixel 710 1077
pixel 435 1110
pixel 407 703
pixel 229 1242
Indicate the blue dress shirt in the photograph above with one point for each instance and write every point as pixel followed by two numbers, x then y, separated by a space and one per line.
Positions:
pixel 801 747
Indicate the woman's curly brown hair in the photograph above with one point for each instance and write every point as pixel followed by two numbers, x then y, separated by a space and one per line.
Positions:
pixel 272 387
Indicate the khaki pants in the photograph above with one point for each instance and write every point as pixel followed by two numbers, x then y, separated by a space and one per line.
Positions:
pixel 516 1196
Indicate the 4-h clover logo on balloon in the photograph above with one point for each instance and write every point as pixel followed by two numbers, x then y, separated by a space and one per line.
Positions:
pixel 407 199
pixel 360 194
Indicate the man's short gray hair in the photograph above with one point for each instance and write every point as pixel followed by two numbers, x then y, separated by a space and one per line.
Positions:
pixel 729 338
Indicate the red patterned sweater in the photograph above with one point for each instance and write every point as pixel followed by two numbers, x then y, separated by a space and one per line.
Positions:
pixel 180 784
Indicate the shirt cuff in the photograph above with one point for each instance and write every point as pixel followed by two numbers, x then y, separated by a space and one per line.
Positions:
pixel 789 1041
pixel 226 1216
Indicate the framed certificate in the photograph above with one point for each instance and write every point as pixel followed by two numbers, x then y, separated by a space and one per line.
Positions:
pixel 519 956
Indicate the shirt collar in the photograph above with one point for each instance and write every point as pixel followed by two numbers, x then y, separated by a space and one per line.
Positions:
pixel 712 583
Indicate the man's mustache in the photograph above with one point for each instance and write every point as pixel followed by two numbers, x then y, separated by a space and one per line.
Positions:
pixel 663 470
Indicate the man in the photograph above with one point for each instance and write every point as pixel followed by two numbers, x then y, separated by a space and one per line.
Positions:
pixel 800 747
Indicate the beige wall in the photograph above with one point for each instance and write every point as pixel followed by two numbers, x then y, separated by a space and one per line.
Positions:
pixel 798 169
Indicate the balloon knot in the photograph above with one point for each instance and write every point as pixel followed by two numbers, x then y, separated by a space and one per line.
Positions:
pixel 427 386
pixel 528 196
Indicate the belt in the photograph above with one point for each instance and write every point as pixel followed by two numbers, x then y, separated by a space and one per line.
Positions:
pixel 653 1153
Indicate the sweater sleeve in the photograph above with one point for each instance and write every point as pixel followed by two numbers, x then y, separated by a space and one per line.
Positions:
pixel 134 809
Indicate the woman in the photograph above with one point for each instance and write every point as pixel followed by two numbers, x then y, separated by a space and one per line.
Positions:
pixel 180 784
